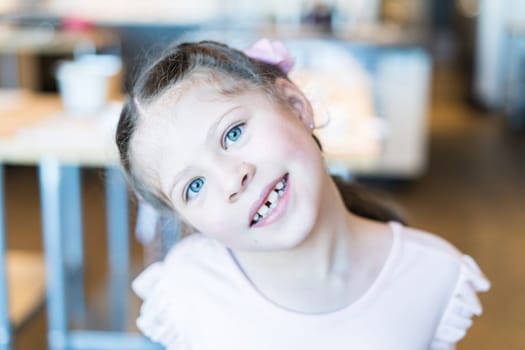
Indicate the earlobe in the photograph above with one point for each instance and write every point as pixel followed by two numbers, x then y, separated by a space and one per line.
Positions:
pixel 296 100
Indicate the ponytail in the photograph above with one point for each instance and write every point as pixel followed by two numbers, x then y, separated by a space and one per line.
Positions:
pixel 362 202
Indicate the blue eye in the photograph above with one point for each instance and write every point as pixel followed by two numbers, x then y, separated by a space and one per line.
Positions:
pixel 194 188
pixel 233 135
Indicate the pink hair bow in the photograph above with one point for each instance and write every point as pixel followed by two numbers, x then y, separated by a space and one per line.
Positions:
pixel 273 52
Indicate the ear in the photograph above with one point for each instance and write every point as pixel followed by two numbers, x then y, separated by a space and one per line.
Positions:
pixel 297 101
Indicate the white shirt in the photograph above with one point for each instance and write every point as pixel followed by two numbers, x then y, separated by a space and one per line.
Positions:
pixel 423 298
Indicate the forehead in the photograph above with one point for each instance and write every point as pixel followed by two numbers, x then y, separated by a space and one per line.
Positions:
pixel 186 112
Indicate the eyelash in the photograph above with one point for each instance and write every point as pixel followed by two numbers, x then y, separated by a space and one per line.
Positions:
pixel 188 187
pixel 240 125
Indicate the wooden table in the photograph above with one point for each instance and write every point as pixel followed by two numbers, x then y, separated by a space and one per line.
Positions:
pixel 35 126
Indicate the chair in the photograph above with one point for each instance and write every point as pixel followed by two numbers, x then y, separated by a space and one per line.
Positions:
pixel 60 184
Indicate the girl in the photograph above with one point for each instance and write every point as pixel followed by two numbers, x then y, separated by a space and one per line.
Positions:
pixel 224 139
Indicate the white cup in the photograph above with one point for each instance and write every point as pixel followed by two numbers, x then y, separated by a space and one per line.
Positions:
pixel 83 83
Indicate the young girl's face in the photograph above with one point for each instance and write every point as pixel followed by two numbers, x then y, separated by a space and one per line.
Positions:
pixel 241 169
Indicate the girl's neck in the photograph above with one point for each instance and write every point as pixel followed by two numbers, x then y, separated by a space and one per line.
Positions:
pixel 324 255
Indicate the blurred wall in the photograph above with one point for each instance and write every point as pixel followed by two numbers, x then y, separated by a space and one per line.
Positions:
pixel 209 10
pixel 496 19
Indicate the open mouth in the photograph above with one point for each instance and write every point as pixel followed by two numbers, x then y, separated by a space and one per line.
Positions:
pixel 271 201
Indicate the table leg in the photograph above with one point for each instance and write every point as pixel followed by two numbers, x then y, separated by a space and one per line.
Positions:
pixel 514 101
pixel 71 228
pixel 5 329
pixel 50 181
pixel 9 71
pixel 118 247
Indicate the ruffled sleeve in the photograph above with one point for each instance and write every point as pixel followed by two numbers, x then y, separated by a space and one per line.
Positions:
pixel 157 313
pixel 464 304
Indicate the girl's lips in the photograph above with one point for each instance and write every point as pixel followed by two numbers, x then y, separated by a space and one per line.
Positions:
pixel 279 210
pixel 262 197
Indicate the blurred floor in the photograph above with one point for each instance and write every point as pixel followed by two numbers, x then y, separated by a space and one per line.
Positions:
pixel 473 194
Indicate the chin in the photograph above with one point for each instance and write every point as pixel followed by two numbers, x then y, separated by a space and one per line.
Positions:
pixel 294 242
pixel 258 244
pixel 294 236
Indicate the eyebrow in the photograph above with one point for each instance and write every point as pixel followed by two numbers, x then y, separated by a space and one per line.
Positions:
pixel 211 131
pixel 214 126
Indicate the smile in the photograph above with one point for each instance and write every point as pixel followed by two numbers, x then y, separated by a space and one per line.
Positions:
pixel 270 203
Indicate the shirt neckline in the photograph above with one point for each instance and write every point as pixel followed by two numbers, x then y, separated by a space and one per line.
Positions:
pixel 259 298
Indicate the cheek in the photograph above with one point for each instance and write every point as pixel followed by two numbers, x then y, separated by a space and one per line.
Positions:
pixel 212 220
pixel 300 147
pixel 290 140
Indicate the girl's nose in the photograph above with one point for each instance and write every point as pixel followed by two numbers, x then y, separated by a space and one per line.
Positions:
pixel 240 181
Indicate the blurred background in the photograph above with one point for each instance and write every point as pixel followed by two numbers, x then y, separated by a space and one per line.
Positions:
pixel 423 101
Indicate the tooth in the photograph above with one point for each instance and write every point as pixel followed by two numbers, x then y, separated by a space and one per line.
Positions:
pixel 263 210
pixel 273 204
pixel 279 186
pixel 273 197
pixel 280 192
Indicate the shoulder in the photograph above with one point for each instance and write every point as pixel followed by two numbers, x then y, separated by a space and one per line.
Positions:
pixel 459 280
pixel 196 260
pixel 429 251
pixel 429 242
pixel 195 267
pixel 437 249
pixel 435 263
pixel 192 248
pixel 171 271
pixel 168 289
pixel 413 250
